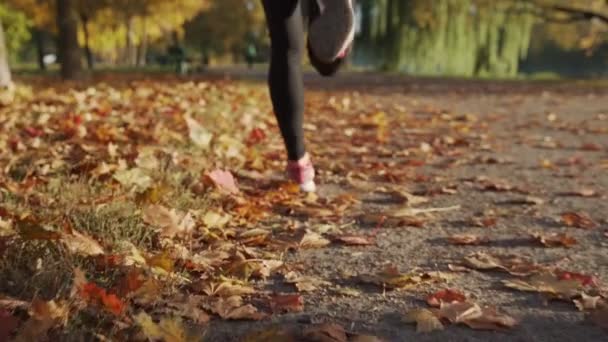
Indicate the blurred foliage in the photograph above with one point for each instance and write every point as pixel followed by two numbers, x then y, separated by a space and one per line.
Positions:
pixel 15 26
pixel 447 37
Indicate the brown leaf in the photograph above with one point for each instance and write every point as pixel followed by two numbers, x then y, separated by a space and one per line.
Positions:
pixel 587 302
pixel 305 283
pixel 578 220
pixel 223 181
pixel 312 240
pixel 287 303
pixel 459 312
pixel 491 319
pixel 555 240
pixel 467 239
pixel 326 333
pixel 169 329
pixel 425 320
pixel 445 296
pixel 484 221
pixel 582 192
pixel 354 240
pixel 546 283
pixel 81 244
pixel 512 264
pixel 391 278
pixel 233 308
pixel 170 221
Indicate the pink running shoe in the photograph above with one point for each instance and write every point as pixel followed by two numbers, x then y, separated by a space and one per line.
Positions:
pixel 303 173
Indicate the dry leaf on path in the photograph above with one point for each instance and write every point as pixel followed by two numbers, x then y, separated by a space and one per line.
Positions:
pixel 425 320
pixel 587 302
pixel 81 244
pixel 408 212
pixel 223 181
pixel 546 283
pixel 459 311
pixel 391 278
pixel 233 308
pixel 578 220
pixel 510 263
pixel 445 296
pixel 467 239
pixel 170 221
pixel 354 240
pixel 168 329
pixel 555 240
pixel 312 240
pixel 199 135
pixel 287 303
pixel 305 283
pixel 491 319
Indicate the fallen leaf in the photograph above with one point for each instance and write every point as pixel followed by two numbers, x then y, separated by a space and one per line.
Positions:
pixel 391 278
pixel 354 240
pixel 305 283
pixel 199 135
pixel 510 263
pixel 233 308
pixel 425 320
pixel 168 329
pixel 546 283
pixel 81 244
pixel 583 192
pixel 555 240
pixel 226 288
pixel 583 279
pixel 223 181
pixel 445 296
pixel 459 312
pixel 587 302
pixel 407 212
pixel 491 319
pixel 134 178
pixel 170 222
pixel 287 303
pixel 312 240
pixel 467 239
pixel 329 332
pixel 578 220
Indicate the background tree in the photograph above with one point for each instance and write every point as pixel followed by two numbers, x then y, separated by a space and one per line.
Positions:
pixel 69 49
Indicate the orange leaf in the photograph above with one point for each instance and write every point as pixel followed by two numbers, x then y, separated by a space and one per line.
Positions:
pixel 354 240
pixel 223 180
pixel 585 280
pixel 287 303
pixel 466 239
pixel 578 220
pixel 445 296
pixel 94 294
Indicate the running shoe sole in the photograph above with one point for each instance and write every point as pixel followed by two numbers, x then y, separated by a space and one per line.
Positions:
pixel 332 32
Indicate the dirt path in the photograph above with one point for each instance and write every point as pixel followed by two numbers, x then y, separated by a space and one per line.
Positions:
pixel 441 139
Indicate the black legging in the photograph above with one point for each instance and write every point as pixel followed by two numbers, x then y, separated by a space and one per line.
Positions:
pixel 286 26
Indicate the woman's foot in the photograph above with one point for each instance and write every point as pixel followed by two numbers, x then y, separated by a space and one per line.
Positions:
pixel 302 172
pixel 331 34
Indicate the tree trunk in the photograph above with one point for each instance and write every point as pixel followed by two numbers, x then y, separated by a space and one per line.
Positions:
pixel 130 54
pixel 39 41
pixel 69 51
pixel 87 48
pixel 6 83
pixel 143 46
